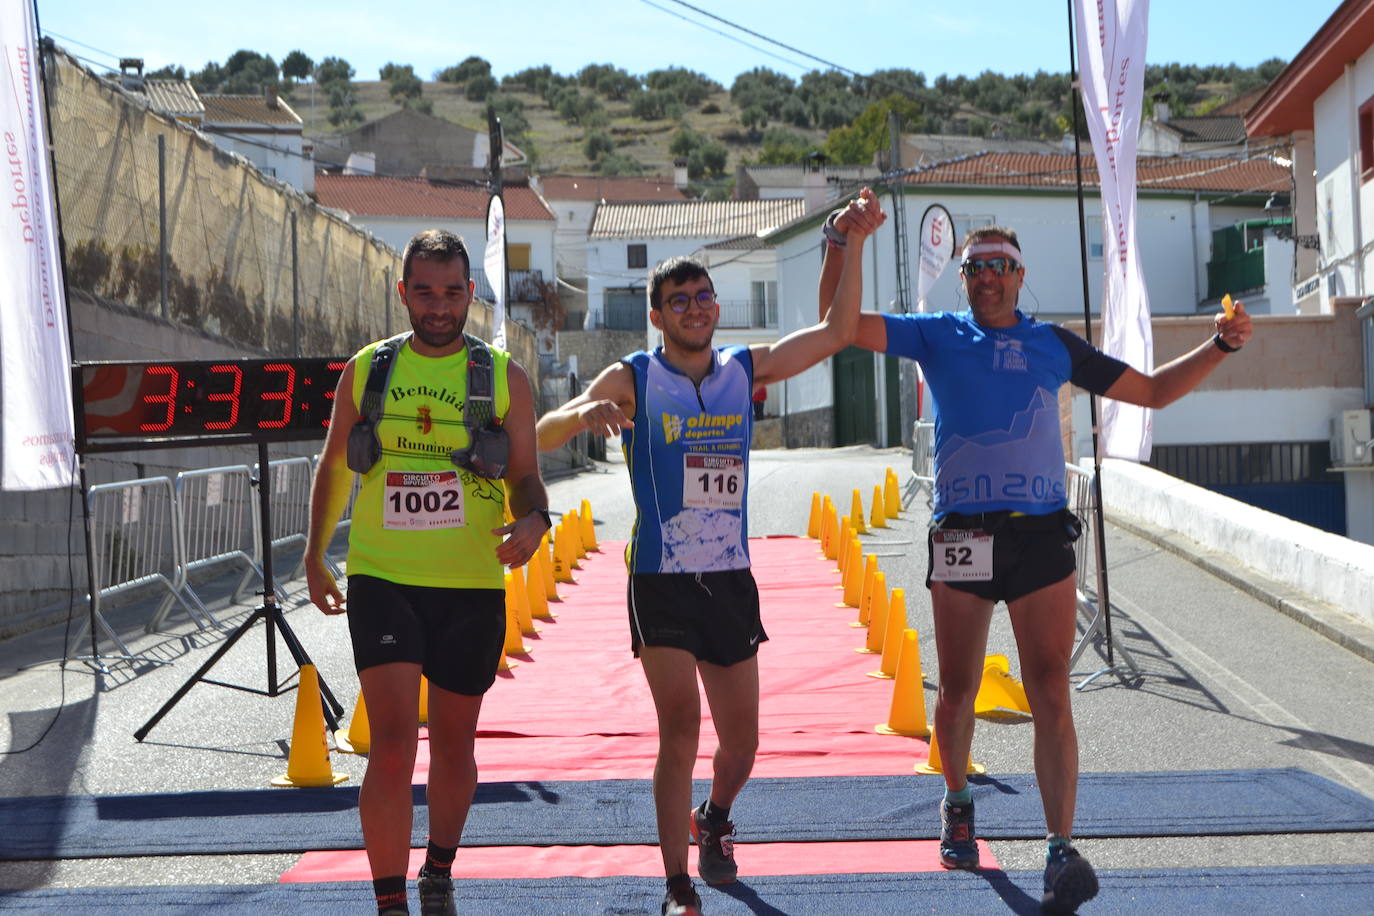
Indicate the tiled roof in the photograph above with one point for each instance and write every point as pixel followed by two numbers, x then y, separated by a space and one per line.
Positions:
pixel 173 97
pixel 794 176
pixel 611 190
pixel 1210 129
pixel 693 219
pixel 375 195
pixel 742 243
pixel 1153 173
pixel 247 110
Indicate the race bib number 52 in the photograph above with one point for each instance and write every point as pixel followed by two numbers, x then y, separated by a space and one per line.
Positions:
pixel 961 555
pixel 422 500
pixel 712 481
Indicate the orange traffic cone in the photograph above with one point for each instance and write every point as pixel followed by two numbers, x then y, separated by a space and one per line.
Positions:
pixel 999 691
pixel 892 640
pixel 866 594
pixel 907 715
pixel 856 513
pixel 424 700
pixel 357 738
pixel 877 518
pixel 513 645
pixel 813 522
pixel 933 764
pixel 877 617
pixel 575 538
pixel 892 495
pixel 846 535
pixel 515 583
pixel 853 576
pixel 546 567
pixel 308 762
pixel 534 587
pixel 588 527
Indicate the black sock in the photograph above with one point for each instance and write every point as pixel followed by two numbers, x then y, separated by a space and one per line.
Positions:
pixel 677 883
pixel 439 860
pixel 391 893
pixel 716 815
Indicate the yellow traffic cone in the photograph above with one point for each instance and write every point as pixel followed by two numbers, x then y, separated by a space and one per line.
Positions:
pixel 892 495
pixel 513 645
pixel 357 738
pixel 827 535
pixel 856 514
pixel 308 762
pixel 907 715
pixel 933 764
pixel 853 576
pixel 813 522
pixel 877 517
pixel 588 527
pixel 877 617
pixel 515 584
pixel 842 559
pixel 837 532
pixel 562 566
pixel 424 700
pixel 546 568
pixel 575 538
pixel 866 593
pixel 828 518
pixel 999 691
pixel 846 535
pixel 534 587
pixel 892 641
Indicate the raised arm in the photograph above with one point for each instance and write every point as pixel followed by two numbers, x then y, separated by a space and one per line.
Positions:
pixel 803 348
pixel 1174 379
pixel 605 408
pixel 329 495
pixel 871 330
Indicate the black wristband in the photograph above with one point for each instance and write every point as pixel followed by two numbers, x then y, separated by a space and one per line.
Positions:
pixel 832 235
pixel 1222 345
pixel 544 514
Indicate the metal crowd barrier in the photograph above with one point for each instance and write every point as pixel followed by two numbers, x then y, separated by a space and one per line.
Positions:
pixel 922 462
pixel 136 541
pixel 1091 577
pixel 289 500
pixel 219 522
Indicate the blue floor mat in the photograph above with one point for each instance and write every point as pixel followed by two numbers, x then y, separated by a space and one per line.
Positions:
pixel 1157 892
pixel 614 812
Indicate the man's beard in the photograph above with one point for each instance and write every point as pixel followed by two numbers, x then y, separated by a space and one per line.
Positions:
pixel 687 346
pixel 432 337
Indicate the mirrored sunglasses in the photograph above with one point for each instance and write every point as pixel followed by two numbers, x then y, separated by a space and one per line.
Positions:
pixel 999 266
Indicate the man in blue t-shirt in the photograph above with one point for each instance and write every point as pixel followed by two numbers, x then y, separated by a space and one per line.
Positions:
pixel 1001 530
pixel 683 413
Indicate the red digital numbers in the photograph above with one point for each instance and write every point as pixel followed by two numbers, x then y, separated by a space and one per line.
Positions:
pixel 169 398
pixel 285 395
pixel 231 396
pixel 336 366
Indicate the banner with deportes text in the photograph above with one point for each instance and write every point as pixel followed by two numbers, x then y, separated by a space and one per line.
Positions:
pixel 37 441
pixel 1111 41
pixel 494 264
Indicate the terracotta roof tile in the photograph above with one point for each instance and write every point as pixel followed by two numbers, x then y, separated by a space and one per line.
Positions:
pixel 1153 173
pixel 693 219
pixel 248 109
pixel 376 195
pixel 611 190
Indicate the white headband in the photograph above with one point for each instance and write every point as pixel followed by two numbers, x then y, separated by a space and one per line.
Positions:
pixel 983 248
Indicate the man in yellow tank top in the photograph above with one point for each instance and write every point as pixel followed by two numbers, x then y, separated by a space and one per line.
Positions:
pixel 426 550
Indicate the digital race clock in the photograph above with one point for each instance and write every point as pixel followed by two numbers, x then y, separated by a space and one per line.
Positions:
pixel 123 405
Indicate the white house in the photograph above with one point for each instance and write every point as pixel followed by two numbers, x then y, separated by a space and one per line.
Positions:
pixel 394 209
pixel 264 130
pixel 1322 104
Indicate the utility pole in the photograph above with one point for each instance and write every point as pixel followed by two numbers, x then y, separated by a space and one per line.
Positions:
pixel 894 166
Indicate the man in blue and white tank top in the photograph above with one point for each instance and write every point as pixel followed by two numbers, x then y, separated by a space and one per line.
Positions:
pixel 683 411
pixel 1001 530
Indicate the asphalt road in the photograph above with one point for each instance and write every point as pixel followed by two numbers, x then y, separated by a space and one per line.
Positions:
pixel 1225 682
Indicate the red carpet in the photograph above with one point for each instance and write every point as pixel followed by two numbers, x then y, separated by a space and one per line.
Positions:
pixel 517 862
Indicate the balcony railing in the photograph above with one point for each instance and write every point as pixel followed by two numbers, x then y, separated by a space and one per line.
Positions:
pixel 746 313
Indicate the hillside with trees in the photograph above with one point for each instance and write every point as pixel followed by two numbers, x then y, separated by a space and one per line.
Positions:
pixel 607 120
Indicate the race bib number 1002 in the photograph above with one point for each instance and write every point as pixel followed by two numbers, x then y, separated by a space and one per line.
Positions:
pixel 961 555
pixel 422 500
pixel 712 481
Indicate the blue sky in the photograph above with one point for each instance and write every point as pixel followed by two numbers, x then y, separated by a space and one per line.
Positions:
pixel 642 35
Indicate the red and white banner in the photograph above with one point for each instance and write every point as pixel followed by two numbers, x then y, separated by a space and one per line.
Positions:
pixel 37 446
pixel 494 265
pixel 1111 44
pixel 937 250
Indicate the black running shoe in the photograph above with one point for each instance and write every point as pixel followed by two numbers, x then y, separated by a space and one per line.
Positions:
pixel 715 849
pixel 436 895
pixel 682 902
pixel 958 846
pixel 1069 881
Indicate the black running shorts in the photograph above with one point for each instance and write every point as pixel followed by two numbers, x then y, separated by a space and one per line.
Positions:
pixel 455 635
pixel 713 615
pixel 1029 552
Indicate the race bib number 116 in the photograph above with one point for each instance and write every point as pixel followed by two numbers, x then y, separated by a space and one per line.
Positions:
pixel 712 481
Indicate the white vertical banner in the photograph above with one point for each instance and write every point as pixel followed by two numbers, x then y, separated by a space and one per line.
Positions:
pixel 37 434
pixel 1111 44
pixel 494 265
pixel 937 250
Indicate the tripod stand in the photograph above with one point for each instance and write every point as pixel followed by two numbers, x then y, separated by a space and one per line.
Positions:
pixel 270 613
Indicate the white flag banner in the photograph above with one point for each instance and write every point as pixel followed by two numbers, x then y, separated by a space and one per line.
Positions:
pixel 937 250
pixel 1111 43
pixel 37 438
pixel 494 264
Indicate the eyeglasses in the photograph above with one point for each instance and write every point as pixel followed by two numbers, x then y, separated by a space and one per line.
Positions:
pixel 999 266
pixel 680 302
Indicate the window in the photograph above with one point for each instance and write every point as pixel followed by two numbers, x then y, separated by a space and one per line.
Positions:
pixel 764 299
pixel 517 257
pixel 1095 238
pixel 1366 127
pixel 636 256
pixel 964 222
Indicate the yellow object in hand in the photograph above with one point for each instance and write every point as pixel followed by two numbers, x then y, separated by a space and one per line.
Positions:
pixel 1227 307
